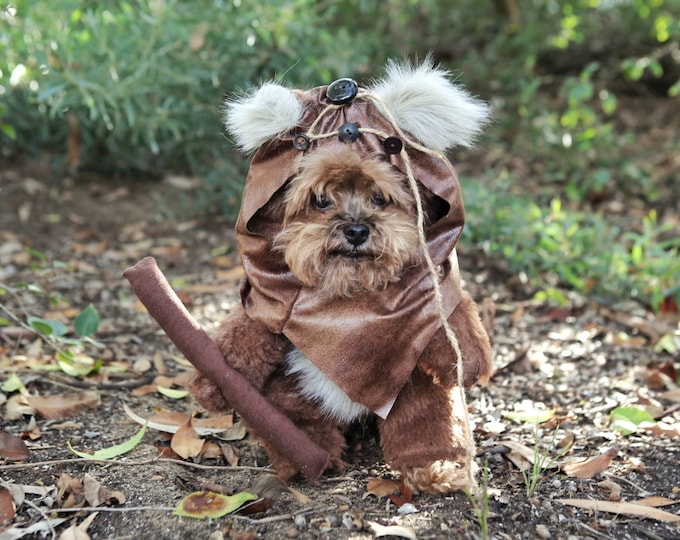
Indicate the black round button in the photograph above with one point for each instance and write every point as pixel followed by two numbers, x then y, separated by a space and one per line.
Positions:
pixel 301 141
pixel 348 132
pixel 342 91
pixel 393 145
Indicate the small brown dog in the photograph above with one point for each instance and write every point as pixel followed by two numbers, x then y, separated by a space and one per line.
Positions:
pixel 338 318
pixel 349 223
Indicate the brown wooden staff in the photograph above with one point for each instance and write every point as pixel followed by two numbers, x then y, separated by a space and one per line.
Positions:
pixel 161 301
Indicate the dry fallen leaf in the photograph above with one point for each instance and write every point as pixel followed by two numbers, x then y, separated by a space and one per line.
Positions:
pixel 662 429
pixel 74 533
pixel 656 501
pixel 74 492
pixel 64 405
pixel 182 379
pixel 566 442
pixel 523 457
pixel 170 422
pixel 143 390
pixel 69 491
pixel 12 447
pixel 630 509
pixel 391 530
pixel 96 494
pixel 211 450
pixel 17 407
pixel 230 454
pixel 234 433
pixel 186 442
pixel 41 529
pixel 211 505
pixel 592 466
pixel 7 509
pixel 381 487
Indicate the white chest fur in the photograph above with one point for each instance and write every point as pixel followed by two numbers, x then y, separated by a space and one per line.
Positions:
pixel 318 388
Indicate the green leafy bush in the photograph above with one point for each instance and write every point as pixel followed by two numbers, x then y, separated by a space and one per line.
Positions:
pixel 559 247
pixel 141 82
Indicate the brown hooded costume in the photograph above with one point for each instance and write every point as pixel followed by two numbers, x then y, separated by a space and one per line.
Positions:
pixel 385 349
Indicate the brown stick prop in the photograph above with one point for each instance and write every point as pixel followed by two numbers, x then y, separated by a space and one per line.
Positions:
pixel 154 291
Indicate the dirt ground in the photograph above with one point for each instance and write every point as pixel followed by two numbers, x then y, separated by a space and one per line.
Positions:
pixel 580 362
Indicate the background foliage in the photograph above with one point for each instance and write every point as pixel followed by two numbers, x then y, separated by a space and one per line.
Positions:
pixel 135 87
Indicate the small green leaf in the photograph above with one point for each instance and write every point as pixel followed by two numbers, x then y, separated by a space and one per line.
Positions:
pixel 4 322
pixel 675 89
pixel 600 177
pixel 202 504
pixel 669 343
pixel 37 254
pixel 172 393
pixel 628 419
pixel 608 102
pixel 581 92
pixel 79 365
pixel 87 322
pixel 8 130
pixel 113 451
pixel 47 327
pixel 534 416
pixel 13 384
pixel 43 367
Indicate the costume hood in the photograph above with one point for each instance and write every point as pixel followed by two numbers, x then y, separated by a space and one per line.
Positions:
pixel 370 343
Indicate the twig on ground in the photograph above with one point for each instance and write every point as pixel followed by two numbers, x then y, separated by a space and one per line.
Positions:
pixel 45 517
pixel 592 531
pixel 642 490
pixel 283 517
pixel 80 461
pixel 646 533
pixel 118 509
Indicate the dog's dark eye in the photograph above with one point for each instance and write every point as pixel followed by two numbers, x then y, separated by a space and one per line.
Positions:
pixel 320 202
pixel 378 200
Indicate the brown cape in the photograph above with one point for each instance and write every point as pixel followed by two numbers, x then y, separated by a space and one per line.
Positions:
pixel 368 344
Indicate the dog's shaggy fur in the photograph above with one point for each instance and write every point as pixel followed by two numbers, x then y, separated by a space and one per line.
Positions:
pixel 336 200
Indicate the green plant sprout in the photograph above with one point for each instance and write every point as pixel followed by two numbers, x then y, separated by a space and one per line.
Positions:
pixel 542 461
pixel 480 502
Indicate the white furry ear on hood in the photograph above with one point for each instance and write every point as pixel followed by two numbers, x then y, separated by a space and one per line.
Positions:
pixel 256 118
pixel 425 103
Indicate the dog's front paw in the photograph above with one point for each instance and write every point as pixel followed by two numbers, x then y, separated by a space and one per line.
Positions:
pixel 208 394
pixel 441 477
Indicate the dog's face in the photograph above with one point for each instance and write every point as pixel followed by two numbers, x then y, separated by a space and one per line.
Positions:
pixel 349 223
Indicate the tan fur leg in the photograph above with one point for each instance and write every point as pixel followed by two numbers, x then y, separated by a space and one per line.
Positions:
pixel 427 437
pixel 448 475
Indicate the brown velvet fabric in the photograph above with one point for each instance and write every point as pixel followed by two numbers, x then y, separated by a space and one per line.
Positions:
pixel 369 344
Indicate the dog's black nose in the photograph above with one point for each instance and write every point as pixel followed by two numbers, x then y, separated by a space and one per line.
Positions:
pixel 356 234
